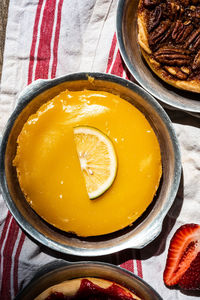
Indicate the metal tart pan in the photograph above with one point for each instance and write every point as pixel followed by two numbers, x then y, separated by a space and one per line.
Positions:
pixel 149 225
pixel 59 271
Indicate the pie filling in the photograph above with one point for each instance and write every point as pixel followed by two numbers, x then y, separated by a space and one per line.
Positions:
pixel 50 174
pixel 172 42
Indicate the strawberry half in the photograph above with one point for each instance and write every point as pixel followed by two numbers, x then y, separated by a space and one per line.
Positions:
pixel 191 278
pixel 183 261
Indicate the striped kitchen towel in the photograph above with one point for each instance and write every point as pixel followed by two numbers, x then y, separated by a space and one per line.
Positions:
pixel 50 38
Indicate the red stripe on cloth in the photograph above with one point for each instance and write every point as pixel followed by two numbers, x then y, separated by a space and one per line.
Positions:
pixel 34 40
pixel 42 67
pixel 4 231
pixel 128 265
pixel 7 260
pixel 111 53
pixel 117 68
pixel 16 262
pixel 57 33
pixel 5 227
pixel 44 48
pixel 139 268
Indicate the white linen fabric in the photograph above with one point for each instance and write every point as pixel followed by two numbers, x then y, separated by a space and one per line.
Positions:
pixel 50 38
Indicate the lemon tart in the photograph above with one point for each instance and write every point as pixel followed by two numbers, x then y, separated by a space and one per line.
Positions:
pixel 88 162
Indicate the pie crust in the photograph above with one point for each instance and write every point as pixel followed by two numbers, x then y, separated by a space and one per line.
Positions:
pixel 169 37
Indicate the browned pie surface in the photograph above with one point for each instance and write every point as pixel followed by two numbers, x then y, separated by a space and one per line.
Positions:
pixel 169 35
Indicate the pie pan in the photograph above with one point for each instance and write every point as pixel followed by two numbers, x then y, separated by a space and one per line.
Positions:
pixel 168 95
pixel 60 271
pixel 149 225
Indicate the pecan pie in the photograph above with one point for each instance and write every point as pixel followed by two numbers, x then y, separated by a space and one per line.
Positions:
pixel 169 36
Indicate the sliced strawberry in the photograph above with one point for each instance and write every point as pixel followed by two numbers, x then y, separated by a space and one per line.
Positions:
pixel 191 278
pixel 183 250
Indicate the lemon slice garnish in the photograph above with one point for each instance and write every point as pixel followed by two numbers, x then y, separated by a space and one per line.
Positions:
pixel 97 159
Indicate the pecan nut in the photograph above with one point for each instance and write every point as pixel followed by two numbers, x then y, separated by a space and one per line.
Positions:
pixel 161 33
pixel 181 31
pixel 176 72
pixel 192 38
pixel 196 61
pixel 178 28
pixel 155 17
pixel 196 43
pixel 173 56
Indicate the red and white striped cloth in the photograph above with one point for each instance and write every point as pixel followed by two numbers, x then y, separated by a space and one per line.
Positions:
pixel 49 38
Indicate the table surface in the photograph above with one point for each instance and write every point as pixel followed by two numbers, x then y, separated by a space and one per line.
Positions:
pixel 3 21
pixel 81 36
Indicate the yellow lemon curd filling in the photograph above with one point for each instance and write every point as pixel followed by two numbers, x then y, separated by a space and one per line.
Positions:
pixel 49 171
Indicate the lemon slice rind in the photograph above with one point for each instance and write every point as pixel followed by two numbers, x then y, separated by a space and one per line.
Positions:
pixel 97 158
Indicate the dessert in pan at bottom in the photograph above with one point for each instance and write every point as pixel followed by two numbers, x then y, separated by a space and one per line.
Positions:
pixel 87 288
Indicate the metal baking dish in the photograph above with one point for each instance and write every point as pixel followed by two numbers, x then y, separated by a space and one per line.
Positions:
pixel 168 95
pixel 60 271
pixel 149 225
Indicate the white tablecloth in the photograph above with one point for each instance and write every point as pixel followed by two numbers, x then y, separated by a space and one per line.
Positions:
pixel 49 38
